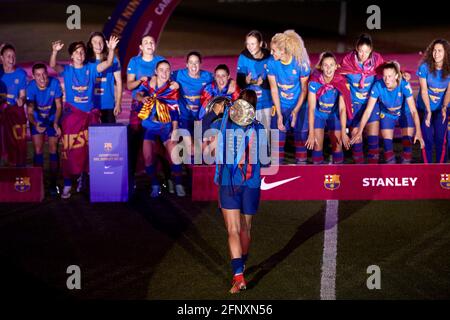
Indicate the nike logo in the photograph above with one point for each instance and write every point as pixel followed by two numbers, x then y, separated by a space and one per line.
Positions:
pixel 268 186
pixel 107 167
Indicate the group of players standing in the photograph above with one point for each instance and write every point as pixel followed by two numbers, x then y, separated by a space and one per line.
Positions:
pixel 362 93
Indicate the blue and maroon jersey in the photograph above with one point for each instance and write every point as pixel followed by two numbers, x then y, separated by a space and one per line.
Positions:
pixel 245 168
pixel 246 65
pixel 11 84
pixel 104 97
pixel 327 103
pixel 190 91
pixel 391 101
pixel 360 92
pixel 360 75
pixel 211 91
pixel 288 81
pixel 79 85
pixel 44 99
pixel 437 87
pixel 140 68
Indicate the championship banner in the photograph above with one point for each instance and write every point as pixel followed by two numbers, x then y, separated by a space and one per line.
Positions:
pixel 21 185
pixel 14 122
pixel 133 19
pixel 108 163
pixel 341 182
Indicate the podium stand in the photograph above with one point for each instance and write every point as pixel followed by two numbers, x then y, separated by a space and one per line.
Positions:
pixel 108 163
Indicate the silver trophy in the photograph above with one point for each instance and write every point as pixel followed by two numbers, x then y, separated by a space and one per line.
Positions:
pixel 217 100
pixel 242 113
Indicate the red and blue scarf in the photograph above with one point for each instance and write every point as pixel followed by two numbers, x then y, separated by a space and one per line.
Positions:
pixel 350 65
pixel 339 83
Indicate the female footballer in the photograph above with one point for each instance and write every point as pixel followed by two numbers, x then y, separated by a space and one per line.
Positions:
pixel 434 98
pixel 44 106
pixel 222 86
pixel 13 82
pixel 140 69
pixel 239 180
pixel 389 94
pixel 79 110
pixel 107 96
pixel 288 71
pixel 159 114
pixel 327 100
pixel 252 74
pixel 361 67
pixel 192 80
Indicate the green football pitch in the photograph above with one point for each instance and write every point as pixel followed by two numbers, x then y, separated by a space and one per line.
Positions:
pixel 173 248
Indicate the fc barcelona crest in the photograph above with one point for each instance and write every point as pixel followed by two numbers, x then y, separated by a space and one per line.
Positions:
pixel 22 184
pixel 107 146
pixel 332 181
pixel 445 181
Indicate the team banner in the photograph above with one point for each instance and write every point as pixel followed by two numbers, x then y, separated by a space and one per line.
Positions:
pixel 133 19
pixel 21 185
pixel 108 163
pixel 14 123
pixel 75 140
pixel 341 182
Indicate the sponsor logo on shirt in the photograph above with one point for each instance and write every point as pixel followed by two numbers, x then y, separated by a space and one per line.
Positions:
pixel 437 90
pixel 361 95
pixel 80 88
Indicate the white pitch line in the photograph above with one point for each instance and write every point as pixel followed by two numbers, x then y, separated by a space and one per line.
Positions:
pixel 328 278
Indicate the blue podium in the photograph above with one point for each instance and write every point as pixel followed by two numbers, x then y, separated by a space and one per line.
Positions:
pixel 108 163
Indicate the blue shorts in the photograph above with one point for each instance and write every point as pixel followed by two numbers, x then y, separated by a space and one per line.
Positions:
pixel 243 198
pixel 387 122
pixel 163 132
pixel 49 130
pixel 406 120
pixel 331 121
pixel 302 119
pixel 358 111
